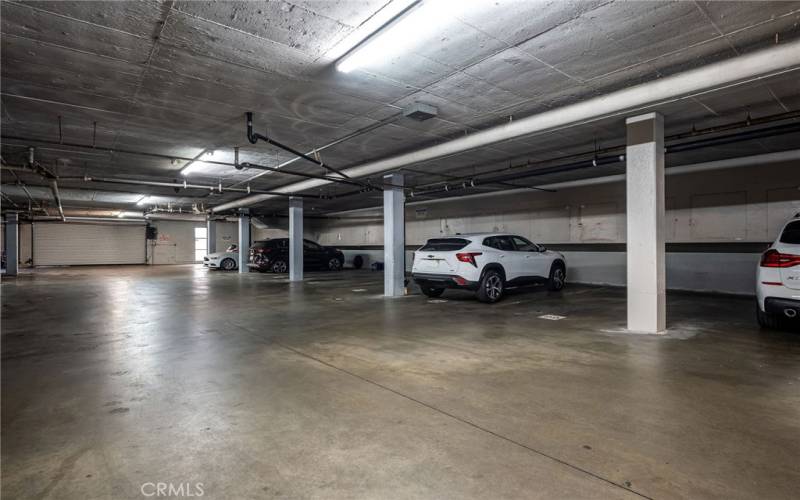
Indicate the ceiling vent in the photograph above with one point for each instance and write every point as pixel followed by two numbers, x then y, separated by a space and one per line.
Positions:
pixel 420 111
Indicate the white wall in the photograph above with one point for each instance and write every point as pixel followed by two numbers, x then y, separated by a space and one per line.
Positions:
pixel 227 235
pixel 269 233
pixel 174 243
pixel 25 244
pixel 177 238
pixel 722 207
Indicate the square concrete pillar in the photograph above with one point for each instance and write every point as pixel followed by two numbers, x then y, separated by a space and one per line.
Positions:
pixel 645 223
pixel 211 235
pixel 244 241
pixel 12 243
pixel 394 226
pixel 295 239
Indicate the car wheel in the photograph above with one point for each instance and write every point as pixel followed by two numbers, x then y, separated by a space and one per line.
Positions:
pixel 432 292
pixel 335 264
pixel 491 287
pixel 557 279
pixel 227 264
pixel 279 266
pixel 767 320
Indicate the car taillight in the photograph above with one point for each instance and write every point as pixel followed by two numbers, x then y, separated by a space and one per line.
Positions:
pixel 468 257
pixel 773 258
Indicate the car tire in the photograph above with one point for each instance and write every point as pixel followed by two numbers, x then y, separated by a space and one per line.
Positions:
pixel 767 320
pixel 335 264
pixel 558 277
pixel 227 264
pixel 279 266
pixel 432 292
pixel 492 287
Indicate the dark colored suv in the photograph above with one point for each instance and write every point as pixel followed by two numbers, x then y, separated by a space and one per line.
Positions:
pixel 273 255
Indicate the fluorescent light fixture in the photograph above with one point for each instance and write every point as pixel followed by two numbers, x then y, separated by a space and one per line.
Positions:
pixel 143 200
pixel 409 29
pixel 123 214
pixel 367 28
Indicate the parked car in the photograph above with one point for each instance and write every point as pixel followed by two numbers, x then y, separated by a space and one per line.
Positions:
pixel 273 255
pixel 227 260
pixel 778 278
pixel 487 264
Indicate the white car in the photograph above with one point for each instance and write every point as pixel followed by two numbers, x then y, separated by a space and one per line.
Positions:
pixel 227 260
pixel 778 278
pixel 487 264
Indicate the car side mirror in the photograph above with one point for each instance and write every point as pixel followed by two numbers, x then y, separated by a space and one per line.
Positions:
pixel 542 248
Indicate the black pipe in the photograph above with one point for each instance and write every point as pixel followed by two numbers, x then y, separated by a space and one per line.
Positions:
pixel 595 162
pixel 312 176
pixel 747 135
pixel 158 155
pixel 133 182
pixel 348 193
pixel 253 137
pixel 749 122
pixel 608 160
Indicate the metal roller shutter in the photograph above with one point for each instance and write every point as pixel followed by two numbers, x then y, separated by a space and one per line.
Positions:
pixel 58 244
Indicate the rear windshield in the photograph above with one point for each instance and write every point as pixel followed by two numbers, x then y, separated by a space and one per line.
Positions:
pixel 791 233
pixel 445 244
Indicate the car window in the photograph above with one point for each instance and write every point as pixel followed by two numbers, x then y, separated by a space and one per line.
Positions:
pixel 505 243
pixel 791 233
pixel 444 244
pixel 499 242
pixel 491 242
pixel 310 245
pixel 524 245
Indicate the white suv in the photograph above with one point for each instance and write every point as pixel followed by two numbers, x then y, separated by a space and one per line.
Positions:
pixel 485 263
pixel 778 278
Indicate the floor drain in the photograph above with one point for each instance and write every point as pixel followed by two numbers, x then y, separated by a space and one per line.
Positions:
pixel 436 301
pixel 552 317
pixel 358 290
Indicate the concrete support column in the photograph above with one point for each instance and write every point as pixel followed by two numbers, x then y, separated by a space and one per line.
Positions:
pixel 12 243
pixel 211 235
pixel 244 240
pixel 645 221
pixel 394 237
pixel 295 239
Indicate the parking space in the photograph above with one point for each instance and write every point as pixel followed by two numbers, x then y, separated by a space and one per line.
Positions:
pixel 236 380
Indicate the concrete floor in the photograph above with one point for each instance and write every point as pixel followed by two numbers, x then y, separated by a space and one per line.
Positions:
pixel 117 377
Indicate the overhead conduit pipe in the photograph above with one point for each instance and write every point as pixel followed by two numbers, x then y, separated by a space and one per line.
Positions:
pixel 749 123
pixel 184 185
pixel 716 76
pixel 236 164
pixel 745 161
pixel 254 137
pixel 34 167
pixel 611 159
pixel 57 198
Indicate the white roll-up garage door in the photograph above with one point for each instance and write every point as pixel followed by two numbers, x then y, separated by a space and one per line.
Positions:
pixel 59 244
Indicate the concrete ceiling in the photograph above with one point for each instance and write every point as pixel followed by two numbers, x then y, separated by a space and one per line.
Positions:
pixel 176 78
